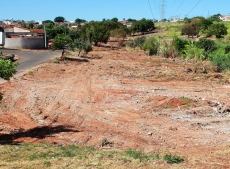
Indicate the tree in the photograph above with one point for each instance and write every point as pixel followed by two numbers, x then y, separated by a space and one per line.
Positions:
pixel 60 41
pixel 142 26
pixel 114 19
pixel 131 20
pixel 79 21
pixel 219 30
pixel 74 34
pixel 30 25
pixel 81 44
pixel 59 19
pixel 7 69
pixel 187 20
pixel 56 30
pixel 119 34
pixel 95 32
pixel 23 24
pixel 193 28
pixel 215 17
pixel 205 23
pixel 48 21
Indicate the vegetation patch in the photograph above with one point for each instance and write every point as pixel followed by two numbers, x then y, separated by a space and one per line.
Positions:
pixel 71 156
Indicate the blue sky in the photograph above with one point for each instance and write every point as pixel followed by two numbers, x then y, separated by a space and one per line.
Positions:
pixel 98 9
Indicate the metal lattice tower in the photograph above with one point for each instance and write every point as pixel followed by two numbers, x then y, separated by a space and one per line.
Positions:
pixel 163 9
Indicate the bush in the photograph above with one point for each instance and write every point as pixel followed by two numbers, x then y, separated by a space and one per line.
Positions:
pixel 219 30
pixel 151 45
pixel 206 44
pixel 137 42
pixel 193 52
pixel 227 49
pixel 220 58
pixel 222 61
pixel 173 159
pixel 180 44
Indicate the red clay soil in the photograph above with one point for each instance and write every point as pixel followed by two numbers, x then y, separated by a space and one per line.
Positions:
pixel 153 104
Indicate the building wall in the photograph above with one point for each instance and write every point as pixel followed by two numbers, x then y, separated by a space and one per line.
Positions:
pixel 2 38
pixel 24 43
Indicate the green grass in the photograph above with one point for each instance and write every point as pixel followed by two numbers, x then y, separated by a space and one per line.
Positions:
pixel 55 156
pixel 227 24
pixel 173 159
pixel 185 98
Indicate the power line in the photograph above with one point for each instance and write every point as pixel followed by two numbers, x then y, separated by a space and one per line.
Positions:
pixel 174 3
pixel 155 6
pixel 179 7
pixel 151 9
pixel 193 8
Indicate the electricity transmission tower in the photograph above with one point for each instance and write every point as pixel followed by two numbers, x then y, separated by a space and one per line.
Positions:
pixel 162 6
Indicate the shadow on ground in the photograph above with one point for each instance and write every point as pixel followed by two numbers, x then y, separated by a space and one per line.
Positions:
pixel 37 132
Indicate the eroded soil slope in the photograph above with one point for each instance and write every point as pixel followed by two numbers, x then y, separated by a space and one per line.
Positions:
pixel 127 98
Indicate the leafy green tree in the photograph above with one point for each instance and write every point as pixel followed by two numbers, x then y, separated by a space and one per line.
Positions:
pixel 79 21
pixel 7 69
pixel 142 26
pixel 95 32
pixel 60 41
pixel 118 33
pixel 40 27
pixel 114 19
pixel 23 24
pixel 59 19
pixel 30 25
pixel 79 45
pixel 48 21
pixel 74 34
pixel 131 20
pixel 219 30
pixel 215 17
pixel 187 20
pixel 56 30
pixel 205 23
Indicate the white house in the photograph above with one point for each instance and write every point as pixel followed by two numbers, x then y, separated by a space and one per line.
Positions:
pixel 225 17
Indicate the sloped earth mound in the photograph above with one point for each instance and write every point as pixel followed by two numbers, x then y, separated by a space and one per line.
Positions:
pixel 126 97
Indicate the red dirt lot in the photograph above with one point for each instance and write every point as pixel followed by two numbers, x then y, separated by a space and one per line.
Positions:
pixel 153 104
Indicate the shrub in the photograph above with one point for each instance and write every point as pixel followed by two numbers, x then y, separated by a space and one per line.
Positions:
pixel 151 45
pixel 227 49
pixel 137 42
pixel 219 30
pixel 180 44
pixel 206 44
pixel 173 159
pixel 191 51
pixel 140 41
pixel 220 58
pixel 222 61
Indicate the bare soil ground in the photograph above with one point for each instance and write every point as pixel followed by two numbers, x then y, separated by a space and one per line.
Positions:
pixel 127 98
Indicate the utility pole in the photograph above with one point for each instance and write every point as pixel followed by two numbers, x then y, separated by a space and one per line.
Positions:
pixel 45 35
pixel 163 9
